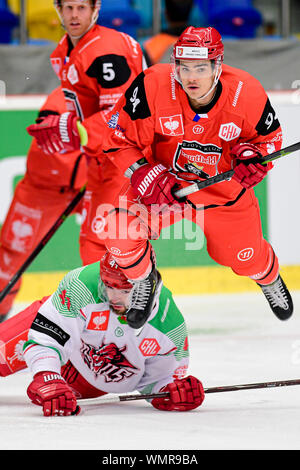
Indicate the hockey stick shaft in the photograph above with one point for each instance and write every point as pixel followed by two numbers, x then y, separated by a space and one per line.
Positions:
pixel 233 388
pixel 225 388
pixel 280 153
pixel 42 243
pixel 198 185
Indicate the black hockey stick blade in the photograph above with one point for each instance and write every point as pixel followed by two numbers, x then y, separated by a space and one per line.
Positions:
pixel 42 243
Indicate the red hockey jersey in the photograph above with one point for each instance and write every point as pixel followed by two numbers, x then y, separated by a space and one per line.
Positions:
pixel 94 74
pixel 155 111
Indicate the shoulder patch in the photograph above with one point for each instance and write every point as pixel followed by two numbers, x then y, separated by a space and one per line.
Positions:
pixel 268 122
pixel 136 100
pixel 47 327
pixel 110 70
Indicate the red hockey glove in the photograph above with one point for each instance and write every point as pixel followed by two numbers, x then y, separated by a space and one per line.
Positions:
pixel 248 175
pixel 50 391
pixel 56 133
pixel 153 184
pixel 185 394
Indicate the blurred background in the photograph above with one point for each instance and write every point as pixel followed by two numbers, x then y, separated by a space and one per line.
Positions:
pixel 250 28
pixel 260 36
pixel 28 21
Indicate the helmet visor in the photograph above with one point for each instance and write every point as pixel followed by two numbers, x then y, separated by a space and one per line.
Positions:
pixel 194 69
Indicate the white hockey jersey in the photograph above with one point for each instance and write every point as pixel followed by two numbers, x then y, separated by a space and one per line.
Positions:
pixel 76 324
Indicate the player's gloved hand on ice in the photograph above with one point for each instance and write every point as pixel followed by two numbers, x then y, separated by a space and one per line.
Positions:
pixel 248 174
pixel 51 391
pixel 154 184
pixel 59 133
pixel 185 394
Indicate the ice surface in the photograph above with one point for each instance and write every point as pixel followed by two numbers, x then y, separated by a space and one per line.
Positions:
pixel 234 339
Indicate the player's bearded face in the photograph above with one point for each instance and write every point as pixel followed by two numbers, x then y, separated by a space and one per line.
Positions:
pixel 119 299
pixel 77 16
pixel 197 77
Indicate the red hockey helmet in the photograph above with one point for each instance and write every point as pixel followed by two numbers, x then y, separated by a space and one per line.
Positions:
pixel 111 274
pixel 199 43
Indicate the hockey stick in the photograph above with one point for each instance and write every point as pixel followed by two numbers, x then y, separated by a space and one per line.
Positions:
pixel 227 175
pixel 225 388
pixel 42 243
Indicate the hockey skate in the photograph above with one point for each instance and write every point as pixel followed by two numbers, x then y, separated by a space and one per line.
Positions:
pixel 279 298
pixel 142 299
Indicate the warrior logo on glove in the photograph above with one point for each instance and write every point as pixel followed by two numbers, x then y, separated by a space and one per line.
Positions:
pixel 62 133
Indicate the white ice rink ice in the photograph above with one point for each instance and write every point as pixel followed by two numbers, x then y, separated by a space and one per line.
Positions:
pixel 234 339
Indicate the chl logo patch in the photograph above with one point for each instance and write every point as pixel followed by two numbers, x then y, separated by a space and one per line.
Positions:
pixel 172 125
pixel 72 75
pixel 149 347
pixel 229 131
